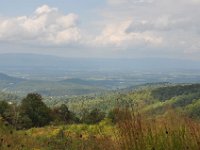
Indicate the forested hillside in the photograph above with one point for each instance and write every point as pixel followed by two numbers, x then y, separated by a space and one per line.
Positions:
pixel 155 98
pixel 148 98
pixel 117 120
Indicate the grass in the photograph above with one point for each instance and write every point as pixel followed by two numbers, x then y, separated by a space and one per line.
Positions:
pixel 169 132
pixel 133 131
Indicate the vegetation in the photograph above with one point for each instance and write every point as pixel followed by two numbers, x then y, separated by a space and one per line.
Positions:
pixel 33 108
pixel 165 93
pixel 93 116
pixel 131 131
pixel 33 112
pixel 138 119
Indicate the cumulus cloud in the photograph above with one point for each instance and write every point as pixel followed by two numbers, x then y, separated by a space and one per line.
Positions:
pixel 171 25
pixel 119 35
pixel 158 27
pixel 46 26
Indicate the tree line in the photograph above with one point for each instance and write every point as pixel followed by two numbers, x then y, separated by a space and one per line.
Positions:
pixel 33 112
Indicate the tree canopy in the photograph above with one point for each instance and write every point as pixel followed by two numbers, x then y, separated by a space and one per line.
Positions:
pixel 33 108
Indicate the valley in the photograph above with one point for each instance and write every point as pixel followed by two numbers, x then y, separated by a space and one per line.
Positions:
pixel 87 104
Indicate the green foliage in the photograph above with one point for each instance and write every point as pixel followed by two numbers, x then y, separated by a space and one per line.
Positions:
pixel 63 115
pixel 193 110
pixel 186 99
pixel 3 107
pixel 112 114
pixel 142 120
pixel 34 113
pixel 152 100
pixel 92 117
pixel 23 122
pixel 165 93
pixel 33 107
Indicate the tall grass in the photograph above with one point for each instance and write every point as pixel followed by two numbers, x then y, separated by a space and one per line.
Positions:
pixel 169 132
pixel 132 131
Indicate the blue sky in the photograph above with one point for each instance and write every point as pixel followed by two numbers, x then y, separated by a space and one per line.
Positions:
pixel 101 28
pixel 26 7
pixel 21 7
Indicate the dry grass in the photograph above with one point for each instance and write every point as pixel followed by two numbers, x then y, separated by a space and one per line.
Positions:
pixel 132 131
pixel 169 132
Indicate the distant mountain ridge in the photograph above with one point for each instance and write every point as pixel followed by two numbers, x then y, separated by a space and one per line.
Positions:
pixel 42 61
pixel 58 76
pixel 48 88
pixel 4 77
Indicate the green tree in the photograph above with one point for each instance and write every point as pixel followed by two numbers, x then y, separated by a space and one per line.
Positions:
pixel 62 114
pixel 33 108
pixel 4 106
pixel 24 122
pixel 93 116
pixel 11 114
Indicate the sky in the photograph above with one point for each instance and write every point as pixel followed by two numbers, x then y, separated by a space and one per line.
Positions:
pixel 101 28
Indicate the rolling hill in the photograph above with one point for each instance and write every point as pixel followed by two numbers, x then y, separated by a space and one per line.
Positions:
pixel 47 88
pixel 150 99
pixel 4 77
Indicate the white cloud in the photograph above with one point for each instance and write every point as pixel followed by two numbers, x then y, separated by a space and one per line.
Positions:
pixel 46 26
pixel 156 27
pixel 119 2
pixel 117 35
pixel 171 27
pixel 44 10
